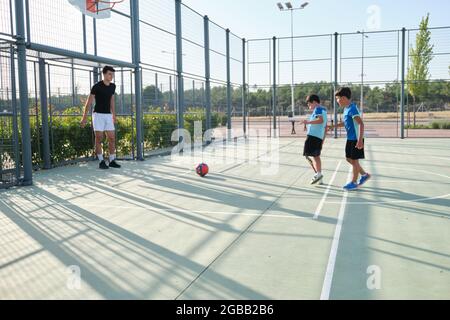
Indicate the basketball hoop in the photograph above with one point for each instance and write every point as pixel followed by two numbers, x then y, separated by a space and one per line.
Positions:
pixel 98 9
pixel 94 6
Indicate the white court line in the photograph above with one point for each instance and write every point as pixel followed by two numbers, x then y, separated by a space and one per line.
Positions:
pixel 211 213
pixel 440 158
pixel 322 202
pixel 398 181
pixel 326 288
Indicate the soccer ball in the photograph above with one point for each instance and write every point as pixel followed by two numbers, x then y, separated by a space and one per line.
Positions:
pixel 202 169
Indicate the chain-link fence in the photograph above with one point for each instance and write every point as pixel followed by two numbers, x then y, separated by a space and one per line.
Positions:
pixel 370 63
pixel 10 168
pixel 171 73
pixel 176 67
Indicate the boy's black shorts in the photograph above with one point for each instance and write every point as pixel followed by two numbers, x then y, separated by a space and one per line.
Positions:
pixel 351 152
pixel 313 147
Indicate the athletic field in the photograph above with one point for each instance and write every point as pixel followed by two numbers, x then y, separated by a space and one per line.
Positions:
pixel 252 229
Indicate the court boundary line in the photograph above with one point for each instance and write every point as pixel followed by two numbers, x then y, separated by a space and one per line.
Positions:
pixel 239 236
pixel 328 280
pixel 402 201
pixel 156 210
pixel 327 190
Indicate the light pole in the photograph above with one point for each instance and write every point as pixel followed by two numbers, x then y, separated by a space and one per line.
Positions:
pixel 291 8
pixel 364 36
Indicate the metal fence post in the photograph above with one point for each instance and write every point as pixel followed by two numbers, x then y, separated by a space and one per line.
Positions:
pixel 171 101
pixel 52 140
pixel 203 95
pixel 95 75
pixel 274 87
pixel 122 92
pixel 137 75
pixel 97 72
pixel 27 21
pixel 83 21
pixel 244 90
pixel 229 114
pixel 74 93
pixel 157 93
pixel 23 94
pixel 207 74
pixel 180 88
pixel 402 96
pixel 44 114
pixel 335 106
pixel 193 93
pixel 14 112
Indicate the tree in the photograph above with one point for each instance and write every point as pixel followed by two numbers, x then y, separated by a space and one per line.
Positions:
pixel 374 99
pixel 152 96
pixel 421 56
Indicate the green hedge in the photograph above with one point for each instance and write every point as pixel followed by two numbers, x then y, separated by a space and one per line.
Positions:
pixel 69 141
pixel 433 125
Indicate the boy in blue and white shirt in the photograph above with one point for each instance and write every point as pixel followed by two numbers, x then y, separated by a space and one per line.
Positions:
pixel 316 126
pixel 354 150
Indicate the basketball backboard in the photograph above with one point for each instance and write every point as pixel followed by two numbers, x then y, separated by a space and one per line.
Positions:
pixel 99 9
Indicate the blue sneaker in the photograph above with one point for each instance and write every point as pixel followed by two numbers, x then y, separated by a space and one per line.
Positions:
pixel 364 179
pixel 351 186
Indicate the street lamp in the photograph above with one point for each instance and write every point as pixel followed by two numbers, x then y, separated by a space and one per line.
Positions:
pixel 364 36
pixel 291 8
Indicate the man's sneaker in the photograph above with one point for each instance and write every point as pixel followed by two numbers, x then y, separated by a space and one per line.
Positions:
pixel 103 165
pixel 317 178
pixel 364 179
pixel 114 164
pixel 351 186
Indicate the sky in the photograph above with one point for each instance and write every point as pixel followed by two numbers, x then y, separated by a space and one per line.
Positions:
pixel 59 25
pixel 261 18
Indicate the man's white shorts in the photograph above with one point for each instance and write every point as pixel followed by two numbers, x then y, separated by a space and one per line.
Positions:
pixel 102 122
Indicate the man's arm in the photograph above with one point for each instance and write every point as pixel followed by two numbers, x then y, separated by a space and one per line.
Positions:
pixel 87 108
pixel 113 108
pixel 360 144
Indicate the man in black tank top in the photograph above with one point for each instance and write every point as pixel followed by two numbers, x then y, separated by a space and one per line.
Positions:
pixel 103 117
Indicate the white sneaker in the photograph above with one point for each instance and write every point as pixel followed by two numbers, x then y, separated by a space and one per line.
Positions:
pixel 317 178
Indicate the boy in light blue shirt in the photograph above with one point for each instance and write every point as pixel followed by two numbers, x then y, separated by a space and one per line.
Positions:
pixel 316 126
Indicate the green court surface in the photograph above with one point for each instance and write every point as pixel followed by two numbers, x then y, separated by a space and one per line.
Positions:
pixel 251 229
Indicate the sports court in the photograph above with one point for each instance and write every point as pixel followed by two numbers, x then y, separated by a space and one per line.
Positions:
pixel 249 230
pixel 238 92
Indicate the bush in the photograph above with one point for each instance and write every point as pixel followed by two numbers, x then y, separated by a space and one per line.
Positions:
pixel 68 141
pixel 435 125
pixel 158 131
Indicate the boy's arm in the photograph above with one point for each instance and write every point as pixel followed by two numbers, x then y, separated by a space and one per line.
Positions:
pixel 319 120
pixel 339 125
pixel 87 108
pixel 360 144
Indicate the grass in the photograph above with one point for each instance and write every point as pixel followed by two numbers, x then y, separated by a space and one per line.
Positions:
pixel 433 115
pixel 434 125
